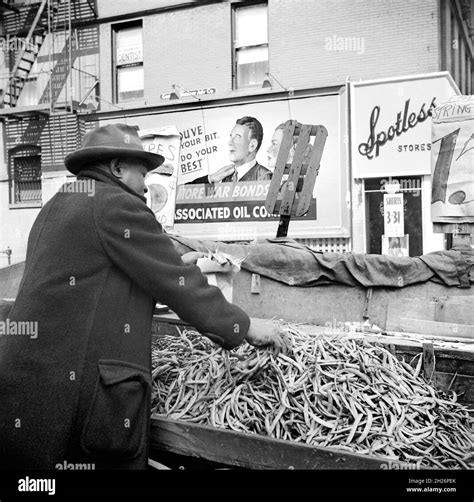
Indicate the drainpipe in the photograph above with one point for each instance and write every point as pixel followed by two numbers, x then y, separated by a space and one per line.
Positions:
pixel 8 252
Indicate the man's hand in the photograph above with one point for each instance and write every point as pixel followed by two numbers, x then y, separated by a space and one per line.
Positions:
pixel 266 333
pixel 192 257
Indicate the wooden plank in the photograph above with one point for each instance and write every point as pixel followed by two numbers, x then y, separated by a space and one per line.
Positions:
pixel 446 329
pixel 439 312
pixel 304 169
pixel 401 344
pixel 453 228
pixel 452 365
pixel 282 157
pixel 429 363
pixel 460 313
pixel 157 465
pixel 368 300
pixel 462 343
pixel 250 451
pixel 416 308
pixel 458 299
pixel 463 385
pixel 447 363
pixel 293 177
pixel 167 324
pixel 313 169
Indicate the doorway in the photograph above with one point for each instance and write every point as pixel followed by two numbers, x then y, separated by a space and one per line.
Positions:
pixel 411 187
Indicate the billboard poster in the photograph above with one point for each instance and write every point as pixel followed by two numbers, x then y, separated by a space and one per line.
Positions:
pixel 452 192
pixel 225 165
pixel 391 123
pixel 162 182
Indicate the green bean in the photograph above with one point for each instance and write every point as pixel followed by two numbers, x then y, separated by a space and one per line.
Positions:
pixel 340 392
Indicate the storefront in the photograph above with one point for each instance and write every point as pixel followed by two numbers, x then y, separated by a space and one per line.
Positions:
pixel 390 137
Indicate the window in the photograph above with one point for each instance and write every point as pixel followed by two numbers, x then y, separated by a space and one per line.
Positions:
pixel 128 62
pixel 250 45
pixel 25 179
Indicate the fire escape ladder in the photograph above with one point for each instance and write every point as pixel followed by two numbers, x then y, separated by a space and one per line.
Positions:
pixel 29 51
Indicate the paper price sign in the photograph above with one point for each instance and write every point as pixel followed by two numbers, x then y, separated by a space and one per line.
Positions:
pixel 394 221
pixel 452 193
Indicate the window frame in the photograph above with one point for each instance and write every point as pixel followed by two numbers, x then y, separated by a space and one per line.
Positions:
pixel 22 152
pixel 234 7
pixel 136 23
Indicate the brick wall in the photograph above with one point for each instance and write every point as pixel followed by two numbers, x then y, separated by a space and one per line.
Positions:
pixel 108 8
pixel 399 37
pixel 312 44
pixel 192 48
pixel 187 47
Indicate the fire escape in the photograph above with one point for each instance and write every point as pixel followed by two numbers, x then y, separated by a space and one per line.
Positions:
pixel 42 88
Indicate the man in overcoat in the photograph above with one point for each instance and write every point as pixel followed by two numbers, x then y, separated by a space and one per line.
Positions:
pixel 97 262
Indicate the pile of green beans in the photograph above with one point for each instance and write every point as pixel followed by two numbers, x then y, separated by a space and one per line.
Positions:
pixel 329 391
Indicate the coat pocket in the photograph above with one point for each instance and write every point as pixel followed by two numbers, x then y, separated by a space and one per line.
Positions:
pixel 117 421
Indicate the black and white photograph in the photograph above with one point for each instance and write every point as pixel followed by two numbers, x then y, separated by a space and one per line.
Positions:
pixel 236 249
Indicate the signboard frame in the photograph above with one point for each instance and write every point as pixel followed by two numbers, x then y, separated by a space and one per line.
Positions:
pixel 333 180
pixel 367 127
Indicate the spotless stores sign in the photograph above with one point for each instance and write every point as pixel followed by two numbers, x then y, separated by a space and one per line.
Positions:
pixel 391 123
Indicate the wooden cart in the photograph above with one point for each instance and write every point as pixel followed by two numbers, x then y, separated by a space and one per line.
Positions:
pixel 451 369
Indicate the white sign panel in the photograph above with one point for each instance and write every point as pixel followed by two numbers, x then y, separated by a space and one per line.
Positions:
pixel 452 195
pixel 391 123
pixel 394 222
pixel 129 55
pixel 162 182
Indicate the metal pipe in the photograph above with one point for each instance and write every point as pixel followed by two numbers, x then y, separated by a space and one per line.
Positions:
pixel 8 252
pixel 70 52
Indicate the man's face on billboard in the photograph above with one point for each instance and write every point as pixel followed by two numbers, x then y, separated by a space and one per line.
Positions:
pixel 241 146
pixel 272 150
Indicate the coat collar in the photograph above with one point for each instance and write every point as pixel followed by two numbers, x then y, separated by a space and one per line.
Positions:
pixel 107 178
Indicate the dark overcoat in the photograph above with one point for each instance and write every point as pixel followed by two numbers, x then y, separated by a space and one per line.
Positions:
pixel 79 392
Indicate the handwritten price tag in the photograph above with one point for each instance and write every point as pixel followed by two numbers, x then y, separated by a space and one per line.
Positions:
pixel 393 215
pixel 452 193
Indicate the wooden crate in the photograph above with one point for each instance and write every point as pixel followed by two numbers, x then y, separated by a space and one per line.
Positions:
pixel 250 451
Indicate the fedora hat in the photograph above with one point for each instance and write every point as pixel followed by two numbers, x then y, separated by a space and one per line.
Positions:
pixel 108 142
